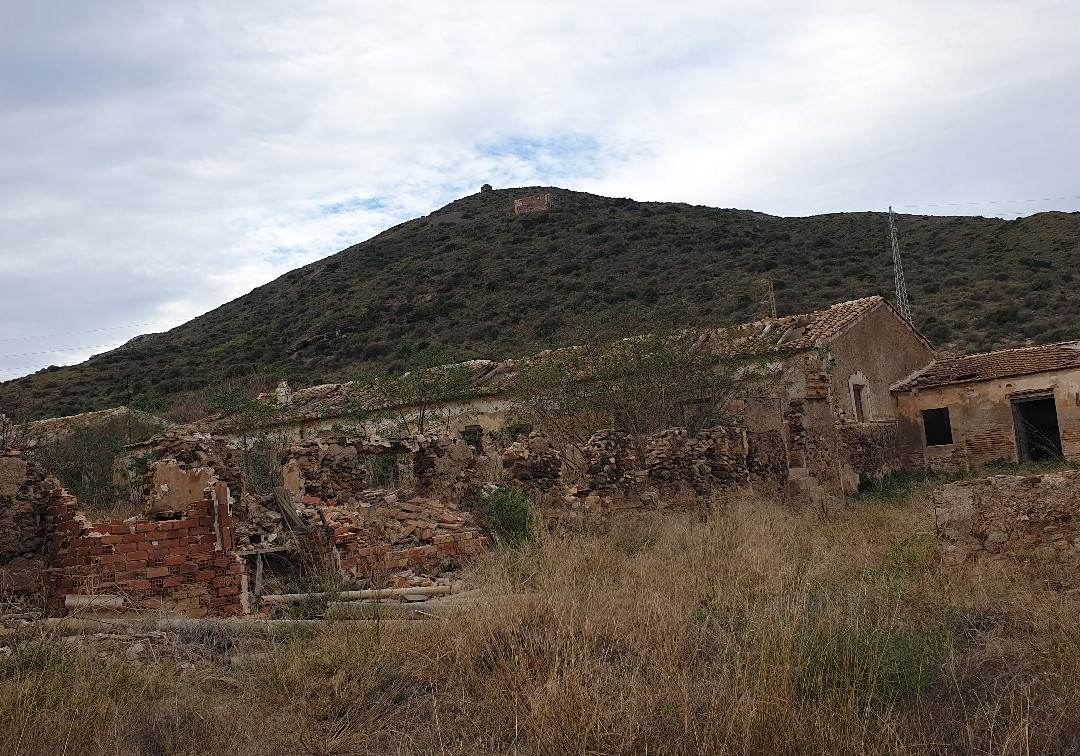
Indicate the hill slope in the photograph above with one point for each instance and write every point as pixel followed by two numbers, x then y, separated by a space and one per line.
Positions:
pixel 481 282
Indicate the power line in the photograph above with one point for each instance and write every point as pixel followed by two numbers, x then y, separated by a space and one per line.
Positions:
pixel 69 349
pixel 991 202
pixel 88 330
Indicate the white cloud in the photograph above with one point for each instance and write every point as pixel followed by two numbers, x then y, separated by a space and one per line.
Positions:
pixel 160 159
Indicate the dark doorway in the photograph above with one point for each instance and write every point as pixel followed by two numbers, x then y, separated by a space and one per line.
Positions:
pixel 1037 435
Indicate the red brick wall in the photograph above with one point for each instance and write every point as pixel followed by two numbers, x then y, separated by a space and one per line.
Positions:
pixel 183 564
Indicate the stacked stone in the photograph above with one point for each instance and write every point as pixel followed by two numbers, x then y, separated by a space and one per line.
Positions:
pixel 1033 518
pixel 715 458
pixel 870 449
pixel 24 491
pixel 335 467
pixel 798 443
pixel 609 463
pixel 534 463
pixel 766 456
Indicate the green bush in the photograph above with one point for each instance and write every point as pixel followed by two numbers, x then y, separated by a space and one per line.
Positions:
pixel 506 511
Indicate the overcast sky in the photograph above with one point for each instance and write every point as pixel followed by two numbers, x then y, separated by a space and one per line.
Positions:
pixel 158 159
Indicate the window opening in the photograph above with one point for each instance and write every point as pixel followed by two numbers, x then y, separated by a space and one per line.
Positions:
pixel 861 397
pixel 938 427
pixel 1037 435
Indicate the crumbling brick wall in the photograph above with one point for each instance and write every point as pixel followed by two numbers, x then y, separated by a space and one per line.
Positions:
pixel 180 562
pixel 1032 517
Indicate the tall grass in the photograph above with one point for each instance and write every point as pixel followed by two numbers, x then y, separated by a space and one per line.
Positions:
pixel 751 630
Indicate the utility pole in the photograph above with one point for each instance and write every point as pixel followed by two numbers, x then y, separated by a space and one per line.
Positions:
pixel 770 297
pixel 902 303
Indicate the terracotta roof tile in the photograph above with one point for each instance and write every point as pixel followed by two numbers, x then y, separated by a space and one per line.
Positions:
pixel 802 332
pixel 992 365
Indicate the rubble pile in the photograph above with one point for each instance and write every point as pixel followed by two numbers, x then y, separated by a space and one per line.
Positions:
pixel 610 461
pixel 396 535
pixel 374 532
pixel 445 469
pixel 534 462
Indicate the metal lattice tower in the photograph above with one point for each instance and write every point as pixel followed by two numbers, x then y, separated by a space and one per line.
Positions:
pixel 902 303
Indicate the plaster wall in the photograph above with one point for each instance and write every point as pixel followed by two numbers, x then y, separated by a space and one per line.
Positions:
pixel 982 420
pixel 884 349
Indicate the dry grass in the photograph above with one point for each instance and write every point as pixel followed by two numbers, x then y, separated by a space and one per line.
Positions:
pixel 752 631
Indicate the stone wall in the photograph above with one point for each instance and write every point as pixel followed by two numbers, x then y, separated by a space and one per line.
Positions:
pixel 374 533
pixel 673 468
pixel 23 494
pixel 868 450
pixel 1029 517
pixel 678 463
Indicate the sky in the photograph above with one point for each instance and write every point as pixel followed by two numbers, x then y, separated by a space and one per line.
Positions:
pixel 160 159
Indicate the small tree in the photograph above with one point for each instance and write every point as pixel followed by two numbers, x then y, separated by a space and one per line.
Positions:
pixel 85 458
pixel 427 396
pixel 261 439
pixel 639 384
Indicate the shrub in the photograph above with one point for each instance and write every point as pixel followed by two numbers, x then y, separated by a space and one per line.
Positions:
pixel 506 511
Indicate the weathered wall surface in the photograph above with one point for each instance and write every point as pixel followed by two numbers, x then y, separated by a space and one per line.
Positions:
pixel 867 450
pixel 982 420
pixel 1034 517
pixel 884 349
pixel 374 533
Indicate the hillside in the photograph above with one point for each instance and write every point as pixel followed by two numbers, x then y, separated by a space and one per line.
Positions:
pixel 478 281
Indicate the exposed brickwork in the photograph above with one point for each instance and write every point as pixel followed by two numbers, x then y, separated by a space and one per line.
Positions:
pixel 180 564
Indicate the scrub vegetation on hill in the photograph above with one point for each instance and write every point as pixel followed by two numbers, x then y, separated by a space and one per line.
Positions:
pixel 475 280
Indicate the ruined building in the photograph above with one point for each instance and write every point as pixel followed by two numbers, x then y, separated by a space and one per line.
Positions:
pixel 1020 405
